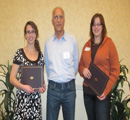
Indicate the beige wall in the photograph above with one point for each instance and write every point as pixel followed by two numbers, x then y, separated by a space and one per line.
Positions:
pixel 15 13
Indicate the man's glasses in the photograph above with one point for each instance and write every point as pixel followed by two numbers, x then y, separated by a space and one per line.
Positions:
pixel 29 32
pixel 56 17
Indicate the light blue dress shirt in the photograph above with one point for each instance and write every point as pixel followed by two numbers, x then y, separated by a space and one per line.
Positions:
pixel 61 58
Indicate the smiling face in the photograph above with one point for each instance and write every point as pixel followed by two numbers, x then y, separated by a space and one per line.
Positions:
pixel 97 28
pixel 30 34
pixel 58 20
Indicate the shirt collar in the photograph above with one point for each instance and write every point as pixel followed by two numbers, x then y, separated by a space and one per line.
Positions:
pixel 62 38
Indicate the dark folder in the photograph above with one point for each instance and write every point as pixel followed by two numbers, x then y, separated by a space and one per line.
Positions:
pixel 32 75
pixel 98 80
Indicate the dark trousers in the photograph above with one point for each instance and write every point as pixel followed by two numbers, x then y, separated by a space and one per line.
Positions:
pixel 97 109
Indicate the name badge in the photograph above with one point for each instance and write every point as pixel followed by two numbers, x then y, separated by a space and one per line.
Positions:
pixel 87 49
pixel 66 55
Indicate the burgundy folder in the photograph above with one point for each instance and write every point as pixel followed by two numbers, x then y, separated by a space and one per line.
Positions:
pixel 32 75
pixel 98 80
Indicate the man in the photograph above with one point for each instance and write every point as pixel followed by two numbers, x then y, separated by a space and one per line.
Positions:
pixel 61 60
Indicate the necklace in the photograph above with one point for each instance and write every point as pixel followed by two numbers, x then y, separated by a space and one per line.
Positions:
pixel 99 41
pixel 96 43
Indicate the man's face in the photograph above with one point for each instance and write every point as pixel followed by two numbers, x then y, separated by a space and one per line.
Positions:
pixel 58 20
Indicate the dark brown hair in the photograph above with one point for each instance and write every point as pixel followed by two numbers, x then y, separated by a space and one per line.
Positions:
pixel 34 26
pixel 104 30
